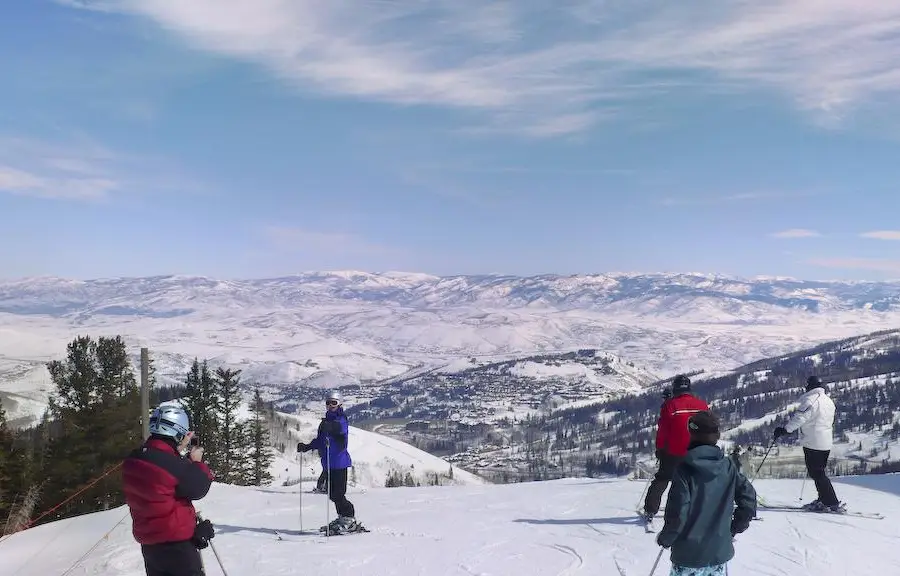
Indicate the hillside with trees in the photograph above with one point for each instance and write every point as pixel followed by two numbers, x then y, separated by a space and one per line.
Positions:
pixel 613 436
pixel 69 463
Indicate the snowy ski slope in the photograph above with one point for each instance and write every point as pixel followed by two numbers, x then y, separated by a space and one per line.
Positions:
pixel 374 457
pixel 566 527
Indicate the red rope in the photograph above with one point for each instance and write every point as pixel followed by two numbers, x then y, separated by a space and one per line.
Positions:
pixel 67 500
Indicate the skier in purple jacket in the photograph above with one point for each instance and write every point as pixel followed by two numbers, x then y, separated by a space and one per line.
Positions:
pixel 331 442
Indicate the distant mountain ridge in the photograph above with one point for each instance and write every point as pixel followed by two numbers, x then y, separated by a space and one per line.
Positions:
pixel 346 327
pixel 57 296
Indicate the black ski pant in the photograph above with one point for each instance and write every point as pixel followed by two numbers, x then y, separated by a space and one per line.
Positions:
pixel 816 460
pixel 337 493
pixel 172 559
pixel 667 465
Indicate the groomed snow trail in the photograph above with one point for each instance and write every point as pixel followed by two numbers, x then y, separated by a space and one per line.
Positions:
pixel 561 528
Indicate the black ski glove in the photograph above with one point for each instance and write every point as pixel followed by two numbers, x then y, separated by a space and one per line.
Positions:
pixel 203 533
pixel 301 447
pixel 779 432
pixel 738 527
pixel 331 427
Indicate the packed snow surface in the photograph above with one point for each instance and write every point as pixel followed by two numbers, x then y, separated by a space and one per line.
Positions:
pixel 563 527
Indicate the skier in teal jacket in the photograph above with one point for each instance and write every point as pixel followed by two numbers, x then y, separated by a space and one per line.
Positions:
pixel 710 501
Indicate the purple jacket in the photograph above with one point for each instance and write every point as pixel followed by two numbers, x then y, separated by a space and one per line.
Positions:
pixel 334 427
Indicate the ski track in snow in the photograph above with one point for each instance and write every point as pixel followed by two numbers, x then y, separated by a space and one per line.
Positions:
pixel 571 527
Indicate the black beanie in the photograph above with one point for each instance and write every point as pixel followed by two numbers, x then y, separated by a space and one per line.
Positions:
pixel 813 382
pixel 704 429
pixel 704 423
pixel 680 384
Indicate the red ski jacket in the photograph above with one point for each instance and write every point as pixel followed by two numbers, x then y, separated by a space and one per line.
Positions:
pixel 159 485
pixel 673 435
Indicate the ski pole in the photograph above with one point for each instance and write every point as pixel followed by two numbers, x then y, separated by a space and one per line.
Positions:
pixel 758 468
pixel 640 502
pixel 328 490
pixel 802 488
pixel 218 559
pixel 658 558
pixel 300 454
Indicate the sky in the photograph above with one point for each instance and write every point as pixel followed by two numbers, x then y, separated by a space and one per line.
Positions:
pixel 257 138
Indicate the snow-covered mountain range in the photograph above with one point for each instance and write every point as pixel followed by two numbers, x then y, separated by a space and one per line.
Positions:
pixel 328 328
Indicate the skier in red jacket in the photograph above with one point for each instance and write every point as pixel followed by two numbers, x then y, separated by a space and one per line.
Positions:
pixel 672 439
pixel 159 485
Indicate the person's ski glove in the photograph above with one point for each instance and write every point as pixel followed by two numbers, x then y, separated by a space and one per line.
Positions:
pixel 661 542
pixel 331 427
pixel 302 447
pixel 779 432
pixel 203 533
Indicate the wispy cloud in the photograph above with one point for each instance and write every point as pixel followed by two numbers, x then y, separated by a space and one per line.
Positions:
pixel 81 171
pixel 291 239
pixel 729 198
pixel 544 67
pixel 873 264
pixel 882 234
pixel 796 233
pixel 79 168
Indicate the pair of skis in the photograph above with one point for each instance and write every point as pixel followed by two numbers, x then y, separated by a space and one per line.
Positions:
pixel 650 526
pixel 792 508
pixel 357 529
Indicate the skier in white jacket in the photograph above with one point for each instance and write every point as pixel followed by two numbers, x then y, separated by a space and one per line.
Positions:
pixel 814 419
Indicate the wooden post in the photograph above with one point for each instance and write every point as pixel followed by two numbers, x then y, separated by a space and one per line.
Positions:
pixel 145 392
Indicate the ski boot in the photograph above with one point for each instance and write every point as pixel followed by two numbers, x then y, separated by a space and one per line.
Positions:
pixel 342 525
pixel 814 506
pixel 817 506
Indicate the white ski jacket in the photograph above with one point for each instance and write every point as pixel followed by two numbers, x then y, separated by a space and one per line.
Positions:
pixel 815 420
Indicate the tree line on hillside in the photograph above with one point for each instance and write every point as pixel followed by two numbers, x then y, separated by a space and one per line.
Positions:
pixel 605 438
pixel 94 421
pixel 627 425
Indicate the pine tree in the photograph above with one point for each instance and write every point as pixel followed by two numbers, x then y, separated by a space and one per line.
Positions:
pixel 7 492
pixel 227 453
pixel 200 403
pixel 259 454
pixel 96 410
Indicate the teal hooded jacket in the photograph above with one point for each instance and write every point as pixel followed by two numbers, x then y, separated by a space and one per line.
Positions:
pixel 709 502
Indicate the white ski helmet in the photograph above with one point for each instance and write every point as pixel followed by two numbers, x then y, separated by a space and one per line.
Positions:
pixel 334 395
pixel 171 421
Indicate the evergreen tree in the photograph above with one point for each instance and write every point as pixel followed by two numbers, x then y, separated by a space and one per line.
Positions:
pixel 7 492
pixel 200 402
pixel 96 421
pixel 17 474
pixel 259 454
pixel 228 445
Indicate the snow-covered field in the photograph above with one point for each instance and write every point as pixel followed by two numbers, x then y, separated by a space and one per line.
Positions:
pixel 564 527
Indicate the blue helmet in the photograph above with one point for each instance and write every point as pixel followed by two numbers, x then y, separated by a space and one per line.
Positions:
pixel 171 421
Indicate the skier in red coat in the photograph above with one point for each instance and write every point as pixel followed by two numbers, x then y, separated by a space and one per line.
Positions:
pixel 159 485
pixel 672 439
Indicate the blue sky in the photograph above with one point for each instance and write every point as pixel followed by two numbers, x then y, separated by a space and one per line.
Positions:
pixel 248 138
